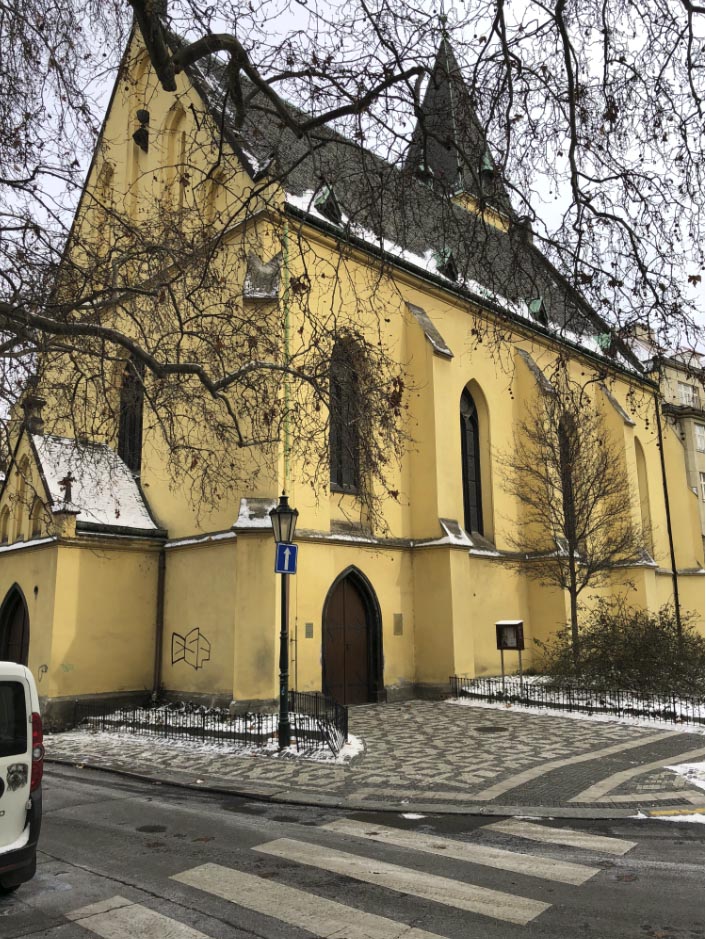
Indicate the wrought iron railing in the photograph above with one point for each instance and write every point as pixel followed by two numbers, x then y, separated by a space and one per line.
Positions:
pixel 618 702
pixel 316 722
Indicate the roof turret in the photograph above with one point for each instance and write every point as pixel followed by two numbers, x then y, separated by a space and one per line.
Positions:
pixel 449 145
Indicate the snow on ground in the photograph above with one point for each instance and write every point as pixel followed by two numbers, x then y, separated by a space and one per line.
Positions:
pixel 694 772
pixel 694 819
pixel 103 742
pixel 683 728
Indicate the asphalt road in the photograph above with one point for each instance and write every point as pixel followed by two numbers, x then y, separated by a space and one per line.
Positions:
pixel 130 860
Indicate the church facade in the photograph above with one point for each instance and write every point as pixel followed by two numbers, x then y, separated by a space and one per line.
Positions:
pixel 118 582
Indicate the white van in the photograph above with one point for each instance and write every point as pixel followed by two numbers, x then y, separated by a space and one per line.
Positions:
pixel 21 768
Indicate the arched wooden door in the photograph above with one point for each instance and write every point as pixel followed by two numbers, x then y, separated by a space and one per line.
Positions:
pixel 352 654
pixel 14 627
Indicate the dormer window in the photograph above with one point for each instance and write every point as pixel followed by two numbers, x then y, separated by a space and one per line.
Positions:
pixel 446 263
pixel 487 170
pixel 425 174
pixel 538 310
pixel 327 204
pixel 606 343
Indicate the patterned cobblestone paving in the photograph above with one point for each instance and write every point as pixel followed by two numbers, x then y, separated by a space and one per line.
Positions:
pixel 434 752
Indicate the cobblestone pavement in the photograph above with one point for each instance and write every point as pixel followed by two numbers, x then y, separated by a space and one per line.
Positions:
pixel 438 756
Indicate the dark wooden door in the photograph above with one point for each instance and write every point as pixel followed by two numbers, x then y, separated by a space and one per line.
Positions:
pixel 14 630
pixel 346 646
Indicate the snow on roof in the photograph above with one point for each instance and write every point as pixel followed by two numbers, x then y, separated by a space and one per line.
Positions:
pixel 255 513
pixel 103 490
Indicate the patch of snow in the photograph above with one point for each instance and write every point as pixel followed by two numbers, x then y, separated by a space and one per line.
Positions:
pixel 698 819
pixel 683 728
pixel 234 731
pixel 255 513
pixel 17 545
pixel 103 490
pixel 412 815
pixel 201 539
pixel 695 773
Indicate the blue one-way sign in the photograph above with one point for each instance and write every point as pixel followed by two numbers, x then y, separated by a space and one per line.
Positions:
pixel 286 558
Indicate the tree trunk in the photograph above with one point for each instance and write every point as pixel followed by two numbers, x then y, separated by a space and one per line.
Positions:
pixel 573 596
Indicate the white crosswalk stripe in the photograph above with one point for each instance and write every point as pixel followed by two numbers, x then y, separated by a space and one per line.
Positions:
pixel 564 872
pixel 453 893
pixel 317 915
pixel 118 918
pixel 565 836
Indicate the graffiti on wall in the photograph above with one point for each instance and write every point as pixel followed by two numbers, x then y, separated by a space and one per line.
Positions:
pixel 193 648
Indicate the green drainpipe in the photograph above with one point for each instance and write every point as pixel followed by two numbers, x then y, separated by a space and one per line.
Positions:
pixel 285 301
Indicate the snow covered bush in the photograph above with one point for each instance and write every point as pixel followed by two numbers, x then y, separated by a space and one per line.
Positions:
pixel 622 647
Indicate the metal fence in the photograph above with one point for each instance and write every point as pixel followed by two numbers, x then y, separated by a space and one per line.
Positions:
pixel 617 702
pixel 316 722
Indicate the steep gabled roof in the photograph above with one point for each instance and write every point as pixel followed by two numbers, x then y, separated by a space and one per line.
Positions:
pixel 103 491
pixel 390 209
pixel 449 144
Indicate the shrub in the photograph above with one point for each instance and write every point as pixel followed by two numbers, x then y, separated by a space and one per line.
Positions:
pixel 621 647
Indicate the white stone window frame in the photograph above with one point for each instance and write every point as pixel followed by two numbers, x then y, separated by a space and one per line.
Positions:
pixel 699 436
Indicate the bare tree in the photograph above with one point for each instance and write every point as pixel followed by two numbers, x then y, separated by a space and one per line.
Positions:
pixel 568 476
pixel 596 105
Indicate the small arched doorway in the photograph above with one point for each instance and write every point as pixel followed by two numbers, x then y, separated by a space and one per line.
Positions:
pixel 352 641
pixel 14 627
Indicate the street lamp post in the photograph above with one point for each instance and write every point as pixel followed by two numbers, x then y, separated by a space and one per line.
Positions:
pixel 284 521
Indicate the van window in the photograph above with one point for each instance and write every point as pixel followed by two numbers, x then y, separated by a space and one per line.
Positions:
pixel 13 719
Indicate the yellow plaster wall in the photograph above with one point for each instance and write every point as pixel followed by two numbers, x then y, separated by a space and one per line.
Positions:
pixel 33 568
pixel 433 614
pixel 256 631
pixel 200 592
pixel 103 620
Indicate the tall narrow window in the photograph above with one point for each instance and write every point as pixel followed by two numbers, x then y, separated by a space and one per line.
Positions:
pixel 344 427
pixel 470 456
pixel 568 445
pixel 130 419
pixel 4 525
pixel 35 519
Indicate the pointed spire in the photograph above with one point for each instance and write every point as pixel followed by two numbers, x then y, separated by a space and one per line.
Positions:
pixel 449 146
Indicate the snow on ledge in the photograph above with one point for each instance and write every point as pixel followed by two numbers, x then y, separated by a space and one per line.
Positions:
pixel 255 513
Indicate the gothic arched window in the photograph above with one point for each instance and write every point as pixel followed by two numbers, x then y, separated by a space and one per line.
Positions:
pixel 470 456
pixel 130 420
pixel 344 426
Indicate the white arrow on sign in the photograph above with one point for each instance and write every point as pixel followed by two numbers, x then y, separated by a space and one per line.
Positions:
pixel 287 552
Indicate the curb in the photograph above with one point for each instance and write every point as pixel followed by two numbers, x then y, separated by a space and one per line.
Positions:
pixel 276 796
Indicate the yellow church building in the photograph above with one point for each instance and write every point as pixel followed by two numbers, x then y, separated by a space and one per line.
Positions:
pixel 126 569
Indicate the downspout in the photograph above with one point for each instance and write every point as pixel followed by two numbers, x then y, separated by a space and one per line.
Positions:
pixel 159 626
pixel 285 303
pixel 670 535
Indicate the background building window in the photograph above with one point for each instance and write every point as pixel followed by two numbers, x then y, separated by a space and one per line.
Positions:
pixel 699 432
pixel 130 418
pixel 688 395
pixel 470 457
pixel 344 425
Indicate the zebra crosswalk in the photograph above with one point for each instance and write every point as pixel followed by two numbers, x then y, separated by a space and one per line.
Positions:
pixel 119 918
